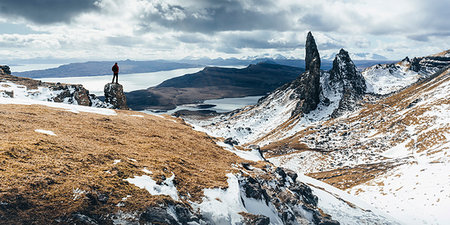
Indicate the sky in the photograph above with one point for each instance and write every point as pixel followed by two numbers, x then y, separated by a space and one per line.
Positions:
pixel 83 30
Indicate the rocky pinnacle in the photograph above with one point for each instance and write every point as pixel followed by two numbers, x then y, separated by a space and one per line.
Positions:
pixel 307 85
pixel 312 58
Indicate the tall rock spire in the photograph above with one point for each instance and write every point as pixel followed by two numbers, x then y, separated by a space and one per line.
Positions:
pixel 307 86
pixel 312 58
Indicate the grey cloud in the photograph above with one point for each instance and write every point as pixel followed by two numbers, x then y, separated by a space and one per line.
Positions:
pixel 425 37
pixel 126 41
pixel 215 16
pixel 46 11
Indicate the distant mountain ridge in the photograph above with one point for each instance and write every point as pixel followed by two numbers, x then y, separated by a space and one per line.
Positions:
pixel 99 68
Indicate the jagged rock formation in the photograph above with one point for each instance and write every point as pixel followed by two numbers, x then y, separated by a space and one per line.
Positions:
pixel 307 86
pixel 14 86
pixel 345 75
pixel 114 95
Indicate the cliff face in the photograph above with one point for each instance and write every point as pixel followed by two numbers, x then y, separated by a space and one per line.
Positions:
pixel 114 96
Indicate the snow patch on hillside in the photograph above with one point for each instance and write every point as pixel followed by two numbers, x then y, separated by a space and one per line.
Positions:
pixel 167 187
pixel 385 79
pixel 42 96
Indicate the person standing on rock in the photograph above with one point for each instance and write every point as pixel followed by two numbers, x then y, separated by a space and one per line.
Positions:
pixel 115 70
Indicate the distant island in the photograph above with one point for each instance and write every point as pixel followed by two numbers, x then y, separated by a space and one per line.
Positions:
pixel 213 83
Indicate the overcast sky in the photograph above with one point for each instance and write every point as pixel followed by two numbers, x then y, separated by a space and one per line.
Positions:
pixel 171 29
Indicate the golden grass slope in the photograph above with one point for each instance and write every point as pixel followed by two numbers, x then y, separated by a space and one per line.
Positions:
pixel 46 177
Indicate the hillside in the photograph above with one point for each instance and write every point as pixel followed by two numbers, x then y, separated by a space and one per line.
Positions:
pixel 213 83
pixel 388 78
pixel 391 150
pixel 63 163
pixel 98 68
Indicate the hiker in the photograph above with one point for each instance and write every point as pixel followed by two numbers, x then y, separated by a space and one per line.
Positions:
pixel 115 70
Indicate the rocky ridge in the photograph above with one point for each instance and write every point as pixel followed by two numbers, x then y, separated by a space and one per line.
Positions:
pixel 388 78
pixel 19 87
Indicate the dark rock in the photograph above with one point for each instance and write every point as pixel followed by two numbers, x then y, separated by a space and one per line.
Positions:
pixel 344 74
pixel 307 85
pixel 305 192
pixel 231 141
pixel 73 94
pixel 161 215
pixel 413 103
pixel 253 189
pixel 312 57
pixel 5 70
pixel 257 220
pixel 114 95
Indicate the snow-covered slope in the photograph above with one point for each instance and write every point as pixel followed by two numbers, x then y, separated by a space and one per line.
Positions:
pixel 393 153
pixel 388 78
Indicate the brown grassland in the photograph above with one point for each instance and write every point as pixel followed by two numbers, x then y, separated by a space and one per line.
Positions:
pixel 39 173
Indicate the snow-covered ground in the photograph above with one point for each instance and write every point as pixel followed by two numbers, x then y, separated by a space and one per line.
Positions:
pixel 41 96
pixel 385 79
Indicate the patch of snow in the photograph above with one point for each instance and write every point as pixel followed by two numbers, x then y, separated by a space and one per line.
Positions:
pixel 48 132
pixel 345 208
pixel 253 155
pixel 222 206
pixel 165 188
pixel 145 170
pixel 138 116
pixel 116 161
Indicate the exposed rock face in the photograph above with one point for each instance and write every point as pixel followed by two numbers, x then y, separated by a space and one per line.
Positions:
pixel 345 75
pixel 293 201
pixel 430 64
pixel 312 57
pixel 307 86
pixel 114 95
pixel 5 70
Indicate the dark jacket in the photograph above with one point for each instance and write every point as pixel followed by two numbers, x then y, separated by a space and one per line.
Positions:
pixel 115 68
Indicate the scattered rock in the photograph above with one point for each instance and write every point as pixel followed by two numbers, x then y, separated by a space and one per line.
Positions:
pixel 231 141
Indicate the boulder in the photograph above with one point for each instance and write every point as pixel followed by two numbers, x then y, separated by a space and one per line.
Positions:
pixel 114 95
pixel 5 70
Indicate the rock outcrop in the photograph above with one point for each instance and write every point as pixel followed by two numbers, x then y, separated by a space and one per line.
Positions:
pixel 344 75
pixel 430 64
pixel 5 70
pixel 114 95
pixel 307 86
